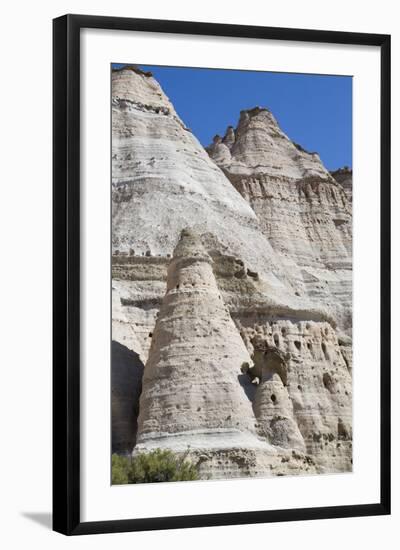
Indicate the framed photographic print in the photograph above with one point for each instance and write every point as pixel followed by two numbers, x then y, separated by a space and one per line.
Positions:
pixel 221 274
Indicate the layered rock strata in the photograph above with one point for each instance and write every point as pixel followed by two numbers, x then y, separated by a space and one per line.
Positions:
pixel 344 176
pixel 164 181
pixel 303 211
pixel 191 392
pixel 195 397
pixel 285 409
pixel 275 247
pixel 304 394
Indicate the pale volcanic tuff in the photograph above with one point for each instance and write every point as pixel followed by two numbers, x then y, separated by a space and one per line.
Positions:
pixel 272 229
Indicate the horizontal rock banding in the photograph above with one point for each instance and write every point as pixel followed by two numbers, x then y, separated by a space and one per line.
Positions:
pixel 303 210
pixel 270 288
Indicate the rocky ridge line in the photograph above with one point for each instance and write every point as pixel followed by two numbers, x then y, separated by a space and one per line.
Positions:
pixel 278 291
pixel 303 211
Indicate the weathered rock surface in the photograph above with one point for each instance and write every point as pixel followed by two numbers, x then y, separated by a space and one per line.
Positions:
pixel 344 176
pixel 273 276
pixel 303 211
pixel 191 388
pixel 304 397
pixel 164 181
pixel 195 396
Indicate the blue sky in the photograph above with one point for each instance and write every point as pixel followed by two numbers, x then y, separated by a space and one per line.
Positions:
pixel 313 110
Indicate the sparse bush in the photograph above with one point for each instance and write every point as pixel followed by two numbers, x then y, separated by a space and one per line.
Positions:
pixel 119 468
pixel 154 467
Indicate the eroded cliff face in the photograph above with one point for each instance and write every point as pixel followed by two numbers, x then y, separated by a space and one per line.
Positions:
pixel 191 392
pixel 344 176
pixel 303 211
pixel 196 396
pixel 273 278
pixel 163 181
pixel 304 394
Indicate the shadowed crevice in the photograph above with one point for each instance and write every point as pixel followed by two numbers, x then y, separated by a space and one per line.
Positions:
pixel 248 388
pixel 126 386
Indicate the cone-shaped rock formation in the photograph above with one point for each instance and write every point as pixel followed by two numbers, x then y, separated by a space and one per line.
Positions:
pixel 276 233
pixel 163 181
pixel 304 212
pixel 191 387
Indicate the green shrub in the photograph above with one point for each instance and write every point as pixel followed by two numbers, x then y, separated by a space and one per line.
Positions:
pixel 119 469
pixel 156 466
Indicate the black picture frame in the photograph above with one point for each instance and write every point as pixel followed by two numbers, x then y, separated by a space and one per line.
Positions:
pixel 66 273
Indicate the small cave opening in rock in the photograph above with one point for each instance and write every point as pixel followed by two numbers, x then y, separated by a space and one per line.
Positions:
pixel 268 362
pixel 273 398
pixel 343 432
pixel 328 381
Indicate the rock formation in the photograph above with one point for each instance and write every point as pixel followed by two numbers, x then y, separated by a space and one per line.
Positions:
pixel 195 397
pixel 303 211
pixel 191 393
pixel 126 383
pixel 305 388
pixel 251 366
pixel 164 180
pixel 344 176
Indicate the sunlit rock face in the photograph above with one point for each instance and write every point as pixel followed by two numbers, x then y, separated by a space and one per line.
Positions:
pixel 258 145
pixel 303 399
pixel 195 396
pixel 191 390
pixel 270 289
pixel 164 181
pixel 302 210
